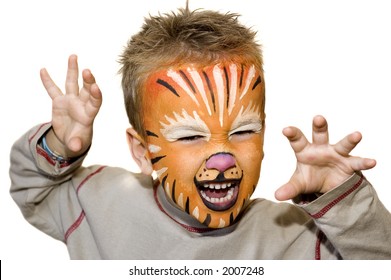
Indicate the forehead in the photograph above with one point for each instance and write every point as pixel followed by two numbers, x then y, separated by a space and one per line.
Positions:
pixel 218 90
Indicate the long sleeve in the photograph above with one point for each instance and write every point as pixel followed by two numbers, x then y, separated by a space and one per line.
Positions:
pixel 354 220
pixel 35 181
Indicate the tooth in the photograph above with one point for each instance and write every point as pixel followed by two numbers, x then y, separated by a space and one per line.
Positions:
pixel 223 186
pixel 211 186
pixel 228 185
pixel 217 186
pixel 205 196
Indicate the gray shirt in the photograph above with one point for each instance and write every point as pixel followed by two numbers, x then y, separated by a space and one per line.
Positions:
pixel 102 212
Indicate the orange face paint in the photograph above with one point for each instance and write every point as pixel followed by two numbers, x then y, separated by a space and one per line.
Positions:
pixel 205 137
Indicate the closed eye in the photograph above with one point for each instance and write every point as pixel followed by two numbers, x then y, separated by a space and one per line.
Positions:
pixel 185 128
pixel 185 134
pixel 190 138
pixel 243 132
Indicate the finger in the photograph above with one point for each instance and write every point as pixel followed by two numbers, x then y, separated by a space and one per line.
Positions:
pixel 358 163
pixel 96 95
pixel 75 144
pixel 286 192
pixel 88 81
pixel 95 101
pixel 71 83
pixel 320 133
pixel 296 138
pixel 49 85
pixel 347 144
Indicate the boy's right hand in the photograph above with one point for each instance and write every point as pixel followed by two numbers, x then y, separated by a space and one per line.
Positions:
pixel 73 113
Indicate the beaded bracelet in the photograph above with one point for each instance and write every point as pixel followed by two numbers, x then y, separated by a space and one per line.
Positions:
pixel 52 154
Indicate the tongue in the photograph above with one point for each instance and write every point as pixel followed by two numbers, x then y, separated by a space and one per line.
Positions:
pixel 216 193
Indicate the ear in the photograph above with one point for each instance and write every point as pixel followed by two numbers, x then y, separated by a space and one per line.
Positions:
pixel 139 151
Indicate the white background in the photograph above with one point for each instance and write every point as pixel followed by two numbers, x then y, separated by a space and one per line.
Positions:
pixel 321 57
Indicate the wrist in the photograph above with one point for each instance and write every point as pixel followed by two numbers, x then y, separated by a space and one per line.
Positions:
pixel 52 154
pixel 54 145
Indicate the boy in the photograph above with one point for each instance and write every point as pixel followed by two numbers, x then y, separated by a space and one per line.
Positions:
pixel 194 93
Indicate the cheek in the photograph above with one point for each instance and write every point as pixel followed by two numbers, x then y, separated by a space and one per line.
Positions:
pixel 249 155
pixel 182 161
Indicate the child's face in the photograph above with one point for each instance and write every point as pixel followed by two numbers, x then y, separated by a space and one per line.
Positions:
pixel 205 137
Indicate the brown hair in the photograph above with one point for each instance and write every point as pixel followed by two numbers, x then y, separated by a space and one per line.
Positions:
pixel 199 37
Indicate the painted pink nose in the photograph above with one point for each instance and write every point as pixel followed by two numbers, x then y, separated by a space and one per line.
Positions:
pixel 221 162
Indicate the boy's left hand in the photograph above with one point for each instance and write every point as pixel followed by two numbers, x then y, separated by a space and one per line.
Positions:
pixel 320 165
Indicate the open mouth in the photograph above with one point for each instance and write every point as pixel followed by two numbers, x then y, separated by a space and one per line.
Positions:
pixel 219 195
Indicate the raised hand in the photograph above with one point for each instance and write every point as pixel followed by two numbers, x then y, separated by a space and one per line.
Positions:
pixel 320 165
pixel 73 113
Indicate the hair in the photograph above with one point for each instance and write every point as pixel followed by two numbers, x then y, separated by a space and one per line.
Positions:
pixel 199 37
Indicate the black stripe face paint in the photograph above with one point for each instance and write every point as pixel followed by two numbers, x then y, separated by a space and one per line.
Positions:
pixel 196 112
pixel 168 86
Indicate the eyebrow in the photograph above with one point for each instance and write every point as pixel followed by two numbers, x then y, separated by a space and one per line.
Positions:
pixel 251 125
pixel 249 117
pixel 184 125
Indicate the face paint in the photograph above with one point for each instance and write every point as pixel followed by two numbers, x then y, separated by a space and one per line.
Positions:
pixel 205 137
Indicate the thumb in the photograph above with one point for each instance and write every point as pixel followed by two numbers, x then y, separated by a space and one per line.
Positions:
pixel 286 192
pixel 75 145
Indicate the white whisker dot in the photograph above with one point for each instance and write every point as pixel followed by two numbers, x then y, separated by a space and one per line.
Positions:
pixel 196 212
pixel 161 171
pixel 154 148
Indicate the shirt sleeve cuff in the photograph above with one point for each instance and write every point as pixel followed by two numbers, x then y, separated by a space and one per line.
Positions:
pixel 321 204
pixel 46 161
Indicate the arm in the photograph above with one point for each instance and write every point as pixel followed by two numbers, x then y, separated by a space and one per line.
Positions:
pixel 346 207
pixel 353 219
pixel 35 175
